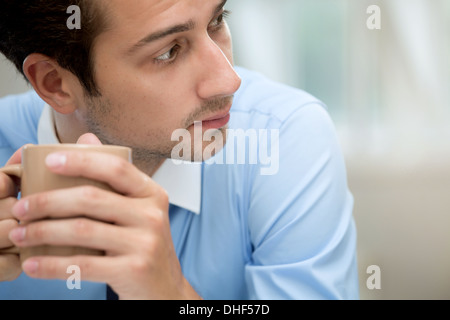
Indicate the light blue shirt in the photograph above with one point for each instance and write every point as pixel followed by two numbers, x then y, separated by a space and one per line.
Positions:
pixel 286 235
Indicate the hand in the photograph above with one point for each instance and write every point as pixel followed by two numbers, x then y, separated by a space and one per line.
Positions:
pixel 132 227
pixel 10 267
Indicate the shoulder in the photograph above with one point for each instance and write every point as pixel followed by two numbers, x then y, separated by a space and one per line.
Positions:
pixel 20 118
pixel 301 120
pixel 26 105
pixel 20 100
pixel 263 97
pixel 296 193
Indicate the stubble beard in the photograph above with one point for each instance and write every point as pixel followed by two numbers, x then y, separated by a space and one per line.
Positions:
pixel 145 158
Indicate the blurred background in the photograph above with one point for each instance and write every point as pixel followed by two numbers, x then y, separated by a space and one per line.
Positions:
pixel 388 92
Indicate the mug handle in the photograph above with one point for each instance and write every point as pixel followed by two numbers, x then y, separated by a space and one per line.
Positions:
pixel 16 171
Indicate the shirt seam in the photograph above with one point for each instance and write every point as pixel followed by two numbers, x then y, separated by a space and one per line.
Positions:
pixel 280 121
pixel 253 170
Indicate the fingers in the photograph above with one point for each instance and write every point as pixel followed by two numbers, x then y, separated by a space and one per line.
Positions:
pixel 120 174
pixel 90 268
pixel 7 187
pixel 10 268
pixel 7 201
pixel 6 226
pixel 6 206
pixel 79 232
pixel 86 201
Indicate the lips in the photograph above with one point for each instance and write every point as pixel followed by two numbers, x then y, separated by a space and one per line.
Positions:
pixel 219 115
pixel 216 122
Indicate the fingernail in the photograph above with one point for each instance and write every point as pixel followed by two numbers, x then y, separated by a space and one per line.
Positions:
pixel 30 266
pixel 56 160
pixel 20 209
pixel 17 235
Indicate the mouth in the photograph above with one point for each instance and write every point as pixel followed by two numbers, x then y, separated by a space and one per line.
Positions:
pixel 217 121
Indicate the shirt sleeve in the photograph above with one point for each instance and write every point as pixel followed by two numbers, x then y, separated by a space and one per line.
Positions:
pixel 19 118
pixel 300 218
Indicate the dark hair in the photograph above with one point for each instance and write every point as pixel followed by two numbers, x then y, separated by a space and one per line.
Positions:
pixel 40 26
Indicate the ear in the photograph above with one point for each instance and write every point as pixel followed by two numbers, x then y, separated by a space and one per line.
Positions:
pixel 55 85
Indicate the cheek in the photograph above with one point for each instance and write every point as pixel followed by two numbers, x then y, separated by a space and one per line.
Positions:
pixel 150 100
pixel 135 98
pixel 147 111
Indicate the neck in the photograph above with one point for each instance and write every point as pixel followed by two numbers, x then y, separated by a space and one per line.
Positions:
pixel 148 167
pixel 68 130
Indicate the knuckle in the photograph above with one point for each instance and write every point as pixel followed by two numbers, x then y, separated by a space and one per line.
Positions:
pixel 160 198
pixel 85 266
pixel 158 219
pixel 84 160
pixel 163 196
pixel 151 247
pixel 139 265
pixel 154 217
pixel 91 198
pixel 82 228
pixel 148 244
pixel 90 194
pixel 119 167
pixel 37 231
pixel 41 201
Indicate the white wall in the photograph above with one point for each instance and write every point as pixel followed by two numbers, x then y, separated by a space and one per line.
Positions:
pixel 11 82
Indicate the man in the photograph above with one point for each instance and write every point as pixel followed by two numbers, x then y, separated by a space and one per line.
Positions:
pixel 134 74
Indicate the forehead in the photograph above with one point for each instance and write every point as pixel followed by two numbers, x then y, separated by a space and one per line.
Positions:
pixel 131 12
pixel 130 21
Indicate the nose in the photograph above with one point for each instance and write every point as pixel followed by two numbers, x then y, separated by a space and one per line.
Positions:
pixel 217 77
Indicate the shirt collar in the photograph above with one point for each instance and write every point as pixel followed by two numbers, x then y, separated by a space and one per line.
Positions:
pixel 183 182
pixel 46 128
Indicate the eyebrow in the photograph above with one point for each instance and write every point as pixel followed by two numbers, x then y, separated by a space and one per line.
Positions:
pixel 184 27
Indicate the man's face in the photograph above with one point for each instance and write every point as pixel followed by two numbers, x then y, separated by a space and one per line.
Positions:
pixel 160 66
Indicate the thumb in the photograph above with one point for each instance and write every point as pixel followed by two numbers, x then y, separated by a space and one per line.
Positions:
pixel 89 138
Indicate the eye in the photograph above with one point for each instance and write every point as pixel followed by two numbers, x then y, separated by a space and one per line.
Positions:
pixel 169 56
pixel 218 22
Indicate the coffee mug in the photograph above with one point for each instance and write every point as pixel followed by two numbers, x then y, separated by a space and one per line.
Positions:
pixel 35 177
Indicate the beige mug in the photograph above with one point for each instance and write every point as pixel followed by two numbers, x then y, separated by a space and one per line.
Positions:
pixel 35 177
